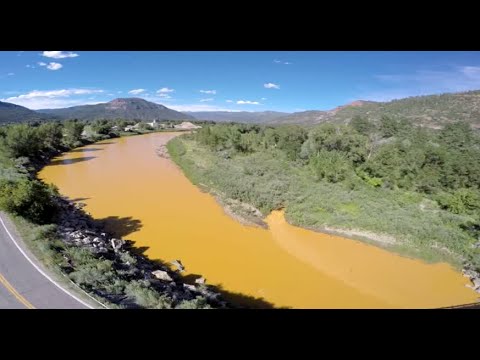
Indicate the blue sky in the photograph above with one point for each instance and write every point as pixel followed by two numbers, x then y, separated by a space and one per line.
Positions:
pixel 247 81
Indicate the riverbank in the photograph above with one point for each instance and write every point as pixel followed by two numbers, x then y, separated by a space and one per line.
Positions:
pixel 403 223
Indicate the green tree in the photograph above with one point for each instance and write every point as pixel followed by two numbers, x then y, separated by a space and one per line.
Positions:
pixel 388 126
pixel 20 141
pixel 457 135
pixel 28 198
pixel 51 135
pixel 332 166
pixel 73 133
pixel 362 125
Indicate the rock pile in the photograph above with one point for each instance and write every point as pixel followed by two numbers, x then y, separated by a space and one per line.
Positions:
pixel 473 276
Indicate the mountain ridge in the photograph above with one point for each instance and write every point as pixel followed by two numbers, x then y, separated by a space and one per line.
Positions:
pixel 432 111
pixel 124 108
pixel 10 113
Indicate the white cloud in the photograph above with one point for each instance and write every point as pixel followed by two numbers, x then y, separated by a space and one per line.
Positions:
pixel 282 62
pixel 263 99
pixel 213 92
pixel 271 86
pixel 59 54
pixel 200 107
pixel 164 96
pixel 165 90
pixel 43 99
pixel 10 74
pixel 136 91
pixel 209 99
pixel 229 101
pixel 471 71
pixel 30 66
pixel 119 92
pixel 247 102
pixel 54 66
pixel 51 65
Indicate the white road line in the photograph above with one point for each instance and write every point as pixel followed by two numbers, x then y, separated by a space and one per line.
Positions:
pixel 40 270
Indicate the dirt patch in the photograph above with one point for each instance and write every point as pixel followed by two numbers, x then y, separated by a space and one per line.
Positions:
pixel 379 238
pixel 244 213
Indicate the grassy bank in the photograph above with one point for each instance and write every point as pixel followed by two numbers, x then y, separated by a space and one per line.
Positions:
pixel 405 221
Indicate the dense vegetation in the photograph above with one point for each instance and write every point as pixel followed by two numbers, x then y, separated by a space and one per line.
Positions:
pixel 387 177
pixel 35 206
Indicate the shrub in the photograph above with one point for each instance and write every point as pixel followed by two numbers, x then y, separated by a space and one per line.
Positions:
pixel 147 297
pixel 331 166
pixel 28 198
pixel 198 303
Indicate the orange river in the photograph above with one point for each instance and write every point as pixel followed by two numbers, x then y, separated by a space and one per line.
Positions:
pixel 147 199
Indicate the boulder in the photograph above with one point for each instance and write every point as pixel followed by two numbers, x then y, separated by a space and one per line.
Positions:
pixel 476 283
pixel 162 275
pixel 117 244
pixel 178 264
pixel 200 280
pixel 190 287
pixel 470 273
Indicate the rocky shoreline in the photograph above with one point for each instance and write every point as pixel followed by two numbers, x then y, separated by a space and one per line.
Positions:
pixel 473 276
pixel 162 151
pixel 77 228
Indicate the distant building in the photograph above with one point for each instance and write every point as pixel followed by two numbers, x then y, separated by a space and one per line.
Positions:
pixel 154 124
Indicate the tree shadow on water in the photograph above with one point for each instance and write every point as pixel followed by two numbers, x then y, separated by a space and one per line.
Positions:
pixel 238 300
pixel 85 150
pixel 71 161
pixel 120 226
pixel 78 199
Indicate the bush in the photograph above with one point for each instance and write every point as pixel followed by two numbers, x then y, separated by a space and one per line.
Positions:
pixel 28 198
pixel 331 166
pixel 462 201
pixel 20 140
pixel 198 303
pixel 147 297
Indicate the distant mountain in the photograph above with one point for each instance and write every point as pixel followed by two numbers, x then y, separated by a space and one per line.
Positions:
pixel 237 116
pixel 10 113
pixel 126 108
pixel 432 111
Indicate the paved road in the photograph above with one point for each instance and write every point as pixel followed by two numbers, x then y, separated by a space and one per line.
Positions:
pixel 22 284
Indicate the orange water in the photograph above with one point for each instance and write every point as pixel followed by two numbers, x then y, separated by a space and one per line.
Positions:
pixel 148 200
